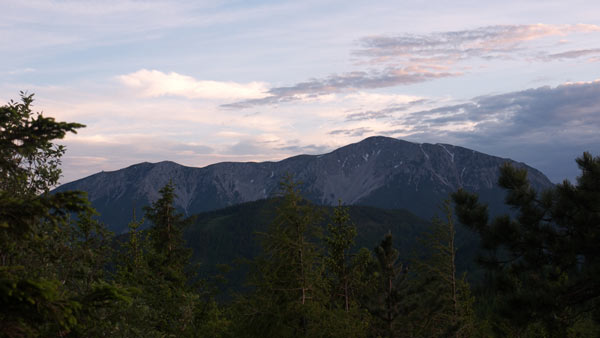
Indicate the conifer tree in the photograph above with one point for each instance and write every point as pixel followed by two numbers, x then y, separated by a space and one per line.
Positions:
pixel 289 291
pixel 346 273
pixel 389 304
pixel 444 300
pixel 36 296
pixel 545 261
pixel 170 255
pixel 341 234
pixel 167 287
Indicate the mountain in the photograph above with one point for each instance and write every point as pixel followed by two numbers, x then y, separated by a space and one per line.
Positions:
pixel 230 235
pixel 378 171
pixel 226 236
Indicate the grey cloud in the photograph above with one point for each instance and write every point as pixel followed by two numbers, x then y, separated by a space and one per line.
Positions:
pixel 566 106
pixel 483 41
pixel 356 132
pixel 414 59
pixel 255 147
pixel 383 113
pixel 368 115
pixel 546 127
pixel 388 77
pixel 307 149
pixel 394 132
pixel 572 54
pixel 489 42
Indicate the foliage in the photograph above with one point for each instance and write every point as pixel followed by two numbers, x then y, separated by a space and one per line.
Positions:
pixel 545 261
pixel 345 274
pixel 390 304
pixel 46 287
pixel 169 256
pixel 29 160
pixel 341 234
pixel 289 291
pixel 445 304
pixel 62 273
pixel 155 262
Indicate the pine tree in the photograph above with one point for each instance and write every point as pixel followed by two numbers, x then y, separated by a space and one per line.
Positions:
pixel 545 261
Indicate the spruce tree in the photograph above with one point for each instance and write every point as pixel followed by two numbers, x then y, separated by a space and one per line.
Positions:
pixel 289 293
pixel 167 288
pixel 389 304
pixel 40 294
pixel 170 255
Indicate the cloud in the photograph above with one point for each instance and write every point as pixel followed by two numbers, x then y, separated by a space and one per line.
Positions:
pixel 573 107
pixel 484 42
pixel 409 59
pixel 385 113
pixel 348 82
pixel 573 54
pixel 546 127
pixel 154 83
pixel 312 149
pixel 356 132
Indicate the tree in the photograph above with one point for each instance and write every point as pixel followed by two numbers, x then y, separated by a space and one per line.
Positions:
pixel 133 271
pixel 346 273
pixel 390 302
pixel 545 260
pixel 445 303
pixel 171 256
pixel 29 160
pixel 341 234
pixel 34 300
pixel 167 286
pixel 289 291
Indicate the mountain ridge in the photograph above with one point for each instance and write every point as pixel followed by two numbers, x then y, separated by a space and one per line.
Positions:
pixel 378 171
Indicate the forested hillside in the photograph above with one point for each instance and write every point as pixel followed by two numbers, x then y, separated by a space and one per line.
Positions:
pixel 306 270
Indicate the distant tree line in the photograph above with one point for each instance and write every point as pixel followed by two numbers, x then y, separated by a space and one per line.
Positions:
pixel 63 274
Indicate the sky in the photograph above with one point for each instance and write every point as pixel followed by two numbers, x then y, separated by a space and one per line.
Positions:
pixel 201 82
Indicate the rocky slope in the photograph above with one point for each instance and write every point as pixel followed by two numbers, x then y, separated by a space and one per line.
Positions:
pixel 378 171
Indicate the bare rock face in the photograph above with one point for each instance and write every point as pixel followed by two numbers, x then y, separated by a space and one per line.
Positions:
pixel 378 171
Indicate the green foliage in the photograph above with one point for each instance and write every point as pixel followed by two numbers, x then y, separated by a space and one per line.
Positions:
pixel 545 261
pixel 390 304
pixel 50 267
pixel 29 160
pixel 169 256
pixel 345 275
pixel 289 290
pixel 341 234
pixel 60 275
pixel 445 304
pixel 229 236
pixel 156 263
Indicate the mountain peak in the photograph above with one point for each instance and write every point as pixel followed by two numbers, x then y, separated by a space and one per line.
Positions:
pixel 377 171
